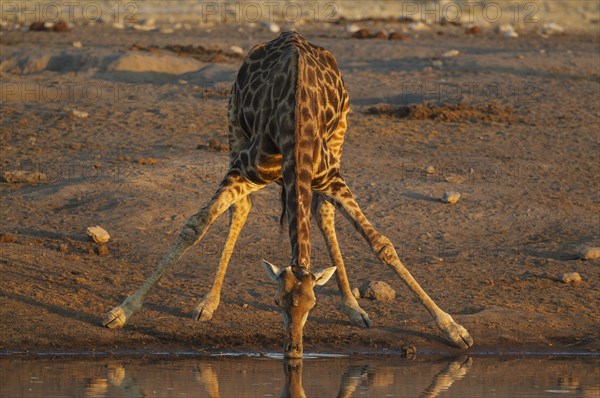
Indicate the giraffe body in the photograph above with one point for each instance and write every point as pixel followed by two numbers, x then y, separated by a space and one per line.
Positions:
pixel 287 120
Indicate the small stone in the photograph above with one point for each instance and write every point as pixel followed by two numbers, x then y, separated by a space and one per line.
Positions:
pixel 79 114
pixel 182 81
pixel 118 25
pixel 418 26
pixel 589 253
pixel 473 30
pixel 244 305
pixel 77 44
pixel 451 53
pixel 380 35
pixel 361 34
pixel 356 293
pixel 504 28
pixel 430 169
pixel 166 31
pixel 571 277
pixel 102 250
pixel 271 27
pixel 511 34
pixel 147 161
pixel 98 234
pixel 450 197
pixel 61 26
pixel 237 50
pixel 395 36
pixel 63 248
pixel 352 28
pixel 437 63
pixel 377 290
pixel 551 27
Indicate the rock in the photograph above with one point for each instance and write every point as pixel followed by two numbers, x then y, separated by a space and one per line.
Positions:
pixel 437 63
pixel 63 248
pixel 102 250
pixel 451 53
pixel 245 305
pixel 167 31
pixel 271 27
pixel 551 27
pixel 395 36
pixel 507 30
pixel 236 50
pixel 98 234
pixel 352 28
pixel 79 114
pixel 571 277
pixel 23 176
pixel 418 26
pixel 473 30
pixel 361 34
pixel 118 25
pixel 380 35
pixel 61 26
pixel 77 44
pixel 511 34
pixel 430 169
pixel 377 290
pixel 144 28
pixel 589 253
pixel 356 293
pixel 147 161
pixel 450 197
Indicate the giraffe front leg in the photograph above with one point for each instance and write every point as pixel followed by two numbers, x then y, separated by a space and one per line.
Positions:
pixel 232 189
pixel 325 213
pixel 239 214
pixel 338 191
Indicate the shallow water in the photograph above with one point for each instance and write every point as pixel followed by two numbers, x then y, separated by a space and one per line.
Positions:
pixel 322 376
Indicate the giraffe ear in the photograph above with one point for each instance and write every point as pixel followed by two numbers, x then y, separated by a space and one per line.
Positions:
pixel 272 270
pixel 323 276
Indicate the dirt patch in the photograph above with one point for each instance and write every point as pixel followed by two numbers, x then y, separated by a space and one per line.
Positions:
pixel 492 112
pixel 197 52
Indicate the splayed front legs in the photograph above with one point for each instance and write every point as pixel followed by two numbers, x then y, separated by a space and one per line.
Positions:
pixel 232 189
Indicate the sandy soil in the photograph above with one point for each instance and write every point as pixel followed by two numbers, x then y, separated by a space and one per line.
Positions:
pixel 521 148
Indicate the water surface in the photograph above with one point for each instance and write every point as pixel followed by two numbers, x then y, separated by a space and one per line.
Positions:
pixel 321 376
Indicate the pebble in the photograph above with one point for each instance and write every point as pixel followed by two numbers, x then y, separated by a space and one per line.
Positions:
pixel 380 35
pixel 77 44
pixel 450 197
pixel 361 34
pixel 79 114
pixel 473 30
pixel 63 248
pixel 395 36
pixel 98 234
pixel 430 169
pixel 118 25
pixel 589 253
pixel 356 293
pixel 451 53
pixel 418 26
pixel 245 305
pixel 571 277
pixel 507 30
pixel 551 27
pixel 236 50
pixel 511 34
pixel 352 28
pixel 437 63
pixel 271 27
pixel 377 290
pixel 102 250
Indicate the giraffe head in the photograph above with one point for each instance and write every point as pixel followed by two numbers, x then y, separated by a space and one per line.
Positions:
pixel 295 298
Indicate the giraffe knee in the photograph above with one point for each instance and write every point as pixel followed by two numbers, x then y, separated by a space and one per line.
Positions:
pixel 387 252
pixel 188 234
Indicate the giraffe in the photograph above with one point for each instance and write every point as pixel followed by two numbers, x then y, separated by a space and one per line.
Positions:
pixel 287 118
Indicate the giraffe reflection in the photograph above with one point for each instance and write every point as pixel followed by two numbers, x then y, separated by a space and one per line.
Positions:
pixel 355 377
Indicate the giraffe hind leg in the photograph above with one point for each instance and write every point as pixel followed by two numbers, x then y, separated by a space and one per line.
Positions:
pixel 325 214
pixel 338 191
pixel 232 189
pixel 239 214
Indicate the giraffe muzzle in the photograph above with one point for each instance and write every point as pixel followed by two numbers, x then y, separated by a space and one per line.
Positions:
pixel 292 349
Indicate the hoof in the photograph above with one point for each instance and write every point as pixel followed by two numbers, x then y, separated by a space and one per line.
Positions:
pixel 202 315
pixel 115 318
pixel 457 335
pixel 358 317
